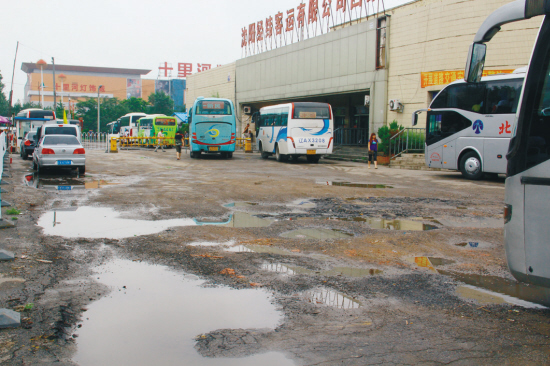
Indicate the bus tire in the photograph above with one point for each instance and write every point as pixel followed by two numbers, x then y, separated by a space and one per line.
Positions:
pixel 192 155
pixel 280 157
pixel 263 153
pixel 230 155
pixel 470 166
pixel 313 159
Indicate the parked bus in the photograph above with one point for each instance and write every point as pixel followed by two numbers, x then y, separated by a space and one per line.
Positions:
pixel 151 125
pixel 468 126
pixel 527 197
pixel 212 127
pixel 30 119
pixel 129 122
pixel 295 129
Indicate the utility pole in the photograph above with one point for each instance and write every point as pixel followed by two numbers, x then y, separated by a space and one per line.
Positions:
pixel 54 96
pixel 98 115
pixel 12 76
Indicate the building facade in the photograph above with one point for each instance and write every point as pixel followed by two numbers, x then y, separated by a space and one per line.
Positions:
pixel 375 70
pixel 73 83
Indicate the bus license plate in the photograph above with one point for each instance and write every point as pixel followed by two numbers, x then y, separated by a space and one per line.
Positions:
pixel 214 148
pixel 64 162
pixel 311 152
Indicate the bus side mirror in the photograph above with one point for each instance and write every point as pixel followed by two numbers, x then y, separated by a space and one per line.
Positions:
pixel 475 62
pixel 415 115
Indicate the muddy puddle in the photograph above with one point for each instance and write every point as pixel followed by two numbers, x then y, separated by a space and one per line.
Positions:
pixel 240 204
pixel 336 271
pixel 407 225
pixel 63 182
pixel 430 262
pixel 354 185
pixel 317 233
pixel 105 222
pixel 251 248
pixel 153 315
pixel 329 297
pixel 492 289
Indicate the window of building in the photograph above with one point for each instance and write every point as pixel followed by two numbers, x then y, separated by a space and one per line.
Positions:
pixel 381 44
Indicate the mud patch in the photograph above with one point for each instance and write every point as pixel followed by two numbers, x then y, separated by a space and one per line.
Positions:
pixel 354 185
pixel 317 234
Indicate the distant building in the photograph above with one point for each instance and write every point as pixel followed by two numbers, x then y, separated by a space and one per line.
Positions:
pixel 84 81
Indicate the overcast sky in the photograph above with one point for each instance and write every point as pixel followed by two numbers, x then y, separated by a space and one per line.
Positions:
pixel 128 34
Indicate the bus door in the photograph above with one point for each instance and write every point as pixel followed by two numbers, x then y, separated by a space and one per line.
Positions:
pixel 443 138
pixel 530 161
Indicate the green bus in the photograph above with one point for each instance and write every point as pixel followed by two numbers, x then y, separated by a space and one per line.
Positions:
pixel 151 125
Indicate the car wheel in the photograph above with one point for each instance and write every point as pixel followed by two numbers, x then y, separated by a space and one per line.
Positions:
pixel 82 170
pixel 34 166
pixel 280 157
pixel 470 166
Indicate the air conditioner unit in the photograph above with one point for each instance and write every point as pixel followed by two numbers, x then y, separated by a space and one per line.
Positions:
pixel 395 105
pixel 247 110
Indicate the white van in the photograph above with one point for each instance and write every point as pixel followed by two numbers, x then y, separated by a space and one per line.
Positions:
pixel 58 129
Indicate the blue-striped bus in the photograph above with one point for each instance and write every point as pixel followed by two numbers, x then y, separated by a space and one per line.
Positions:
pixel 212 127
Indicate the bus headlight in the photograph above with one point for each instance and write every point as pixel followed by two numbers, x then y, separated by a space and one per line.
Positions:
pixel 507 213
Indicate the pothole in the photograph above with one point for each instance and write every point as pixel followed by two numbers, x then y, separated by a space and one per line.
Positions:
pixel 328 297
pixel 336 271
pixel 153 315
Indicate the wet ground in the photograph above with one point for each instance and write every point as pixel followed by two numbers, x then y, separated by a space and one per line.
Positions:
pixel 148 260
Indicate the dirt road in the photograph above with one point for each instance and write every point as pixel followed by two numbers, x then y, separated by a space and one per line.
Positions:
pixel 247 261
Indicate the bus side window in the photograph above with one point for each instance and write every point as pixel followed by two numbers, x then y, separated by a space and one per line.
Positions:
pixel 503 96
pixel 468 97
pixel 538 143
pixel 284 117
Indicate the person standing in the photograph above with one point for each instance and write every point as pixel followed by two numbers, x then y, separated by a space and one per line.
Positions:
pixel 160 136
pixel 373 150
pixel 179 143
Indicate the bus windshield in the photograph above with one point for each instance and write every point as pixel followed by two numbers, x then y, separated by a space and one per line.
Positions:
pixel 145 123
pixel 213 107
pixel 165 122
pixel 311 112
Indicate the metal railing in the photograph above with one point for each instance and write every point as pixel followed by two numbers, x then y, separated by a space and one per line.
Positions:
pixel 3 150
pixel 95 141
pixel 351 137
pixel 408 140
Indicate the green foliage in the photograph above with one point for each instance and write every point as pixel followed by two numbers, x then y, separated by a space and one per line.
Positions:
pixel 135 105
pixel 160 103
pixel 4 106
pixel 14 218
pixel 215 95
pixel 385 133
pixel 111 110
pixel 29 306
pixel 13 211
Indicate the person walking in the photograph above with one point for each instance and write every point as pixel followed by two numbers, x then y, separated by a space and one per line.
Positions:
pixel 179 143
pixel 160 136
pixel 373 150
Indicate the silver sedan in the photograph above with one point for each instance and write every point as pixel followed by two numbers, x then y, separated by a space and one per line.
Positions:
pixel 59 151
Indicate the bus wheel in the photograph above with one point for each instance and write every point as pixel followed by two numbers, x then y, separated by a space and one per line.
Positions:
pixel 262 152
pixel 192 155
pixel 280 157
pixel 470 166
pixel 230 155
pixel 314 159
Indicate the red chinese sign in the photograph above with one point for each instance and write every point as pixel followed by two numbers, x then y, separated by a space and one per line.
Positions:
pixel 311 15
pixel 79 88
pixel 185 68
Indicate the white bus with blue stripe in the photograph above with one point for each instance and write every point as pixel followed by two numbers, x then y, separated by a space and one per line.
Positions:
pixel 295 129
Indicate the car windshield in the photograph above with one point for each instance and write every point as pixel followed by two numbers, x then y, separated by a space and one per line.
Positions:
pixel 60 140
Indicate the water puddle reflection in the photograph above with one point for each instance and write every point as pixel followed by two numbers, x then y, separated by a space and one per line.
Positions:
pixel 473 222
pixel 336 271
pixel 430 262
pixel 317 233
pixel 509 291
pixel 353 185
pixel 153 315
pixel 240 204
pixel 406 225
pixel 63 182
pixel 105 222
pixel 251 248
pixel 329 297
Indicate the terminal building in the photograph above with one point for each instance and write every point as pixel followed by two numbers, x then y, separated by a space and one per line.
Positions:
pixel 74 83
pixel 372 70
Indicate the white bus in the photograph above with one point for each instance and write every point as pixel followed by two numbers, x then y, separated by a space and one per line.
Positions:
pixel 295 129
pixel 527 197
pixel 129 122
pixel 469 126
pixel 30 119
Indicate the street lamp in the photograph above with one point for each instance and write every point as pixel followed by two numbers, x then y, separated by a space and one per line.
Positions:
pixel 98 89
pixel 62 78
pixel 41 63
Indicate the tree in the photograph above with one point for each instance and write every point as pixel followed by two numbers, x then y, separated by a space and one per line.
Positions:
pixel 4 106
pixel 135 105
pixel 160 103
pixel 111 110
